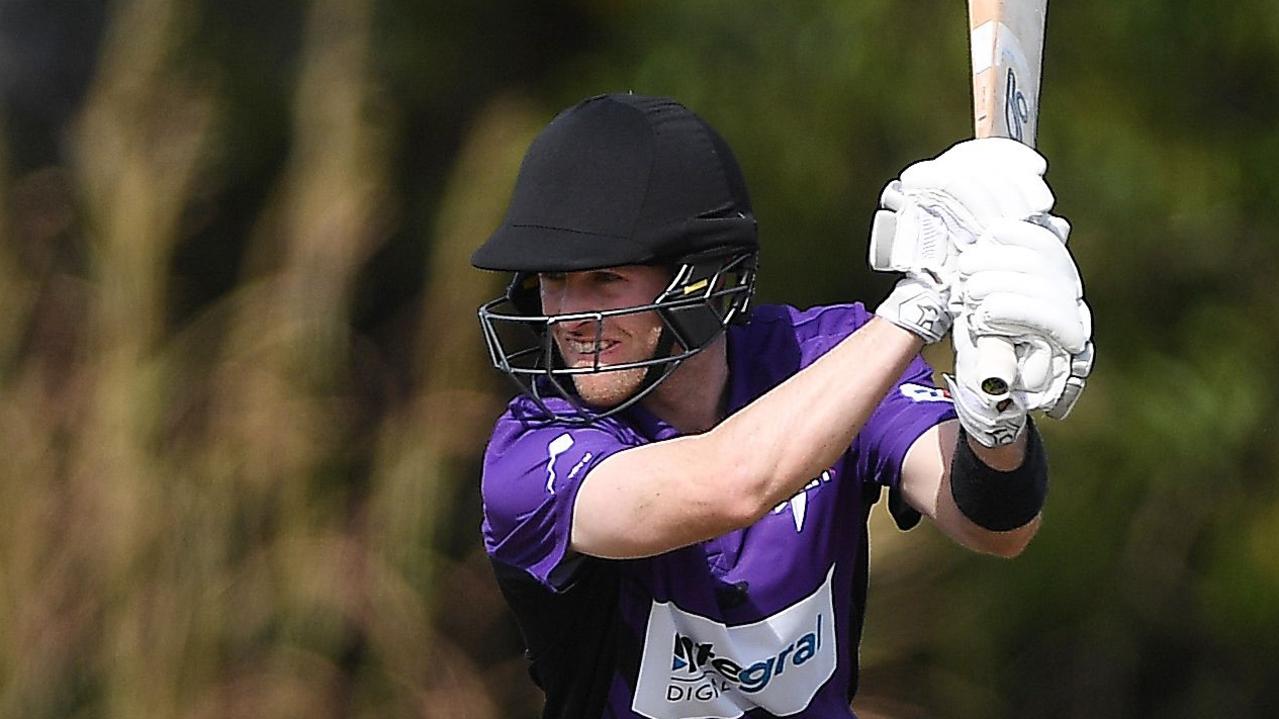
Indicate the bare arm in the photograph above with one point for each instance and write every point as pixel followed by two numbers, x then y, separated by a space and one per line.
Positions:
pixel 925 485
pixel 661 496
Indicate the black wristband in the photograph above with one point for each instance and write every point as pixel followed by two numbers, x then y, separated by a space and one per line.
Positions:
pixel 1000 501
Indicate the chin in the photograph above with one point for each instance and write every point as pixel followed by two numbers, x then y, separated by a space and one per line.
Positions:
pixel 608 389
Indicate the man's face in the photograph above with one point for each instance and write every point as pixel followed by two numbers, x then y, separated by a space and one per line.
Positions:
pixel 624 339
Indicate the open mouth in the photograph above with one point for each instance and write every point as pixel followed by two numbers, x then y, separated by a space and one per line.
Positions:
pixel 584 352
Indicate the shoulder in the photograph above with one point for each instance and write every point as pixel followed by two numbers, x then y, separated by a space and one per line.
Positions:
pixel 522 425
pixel 808 333
pixel 530 457
pixel 819 319
pixel 532 472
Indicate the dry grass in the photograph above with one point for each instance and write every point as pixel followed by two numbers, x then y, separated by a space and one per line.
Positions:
pixel 207 520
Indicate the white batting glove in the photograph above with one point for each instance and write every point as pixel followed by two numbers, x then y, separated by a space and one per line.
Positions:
pixel 1019 282
pixel 919 304
pixel 940 207
pixel 989 421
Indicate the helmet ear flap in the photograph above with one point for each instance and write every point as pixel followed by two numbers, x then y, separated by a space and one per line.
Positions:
pixel 524 294
pixel 700 307
pixel 693 324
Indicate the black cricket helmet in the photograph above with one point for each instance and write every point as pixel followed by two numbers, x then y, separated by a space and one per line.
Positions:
pixel 618 180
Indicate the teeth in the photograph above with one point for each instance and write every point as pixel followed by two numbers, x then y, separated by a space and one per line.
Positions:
pixel 586 347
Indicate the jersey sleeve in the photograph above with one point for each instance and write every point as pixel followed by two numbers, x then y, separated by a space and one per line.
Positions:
pixel 911 407
pixel 530 484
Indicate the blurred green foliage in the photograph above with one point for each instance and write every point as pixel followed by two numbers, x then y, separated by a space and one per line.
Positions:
pixel 242 394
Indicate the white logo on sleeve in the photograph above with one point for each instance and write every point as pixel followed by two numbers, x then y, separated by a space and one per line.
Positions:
pixel 580 463
pixel 922 393
pixel 558 446
pixel 693 666
pixel 799 503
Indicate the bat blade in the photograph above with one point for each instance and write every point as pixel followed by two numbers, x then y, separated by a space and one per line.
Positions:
pixel 1007 42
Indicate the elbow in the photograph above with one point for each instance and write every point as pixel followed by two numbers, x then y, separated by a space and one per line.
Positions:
pixel 1007 545
pixel 737 489
pixel 1007 550
pixel 742 498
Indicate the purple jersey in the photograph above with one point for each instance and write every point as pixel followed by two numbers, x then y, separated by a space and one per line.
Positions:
pixel 763 621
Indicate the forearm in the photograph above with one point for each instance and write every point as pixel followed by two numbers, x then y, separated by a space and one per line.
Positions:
pixel 956 525
pixel 792 433
pixel 927 484
pixel 992 498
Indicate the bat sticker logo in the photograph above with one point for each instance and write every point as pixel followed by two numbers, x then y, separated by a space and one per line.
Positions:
pixel 1016 108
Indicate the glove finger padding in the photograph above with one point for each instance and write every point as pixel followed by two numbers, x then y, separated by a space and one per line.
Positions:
pixel 1004 174
pixel 1048 377
pixel 1016 315
pixel 1059 226
pixel 991 156
pixel 979 287
pixel 986 195
pixel 941 209
pixel 892 198
pixel 1019 280
pixel 1042 374
pixel 1000 151
pixel 1021 246
pixel 1080 367
pixel 1037 366
pixel 943 205
pixel 1042 368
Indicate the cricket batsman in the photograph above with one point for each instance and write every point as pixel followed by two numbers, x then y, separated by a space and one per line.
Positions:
pixel 676 504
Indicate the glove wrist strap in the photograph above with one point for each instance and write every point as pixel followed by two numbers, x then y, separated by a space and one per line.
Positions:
pixel 917 305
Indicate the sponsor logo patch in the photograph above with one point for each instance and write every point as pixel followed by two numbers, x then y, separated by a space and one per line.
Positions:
pixel 693 666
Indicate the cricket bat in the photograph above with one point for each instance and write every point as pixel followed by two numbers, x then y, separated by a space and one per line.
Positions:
pixel 1007 42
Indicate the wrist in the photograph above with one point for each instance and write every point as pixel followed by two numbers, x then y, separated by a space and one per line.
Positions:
pixel 1004 457
pixel 999 500
pixel 919 305
pixel 909 341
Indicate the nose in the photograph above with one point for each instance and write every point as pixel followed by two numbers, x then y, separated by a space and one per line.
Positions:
pixel 560 297
pixel 564 296
pixel 567 296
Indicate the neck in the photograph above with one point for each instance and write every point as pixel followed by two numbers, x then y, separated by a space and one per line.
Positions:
pixel 692 399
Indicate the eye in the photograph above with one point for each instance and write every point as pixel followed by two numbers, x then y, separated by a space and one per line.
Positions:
pixel 551 276
pixel 607 277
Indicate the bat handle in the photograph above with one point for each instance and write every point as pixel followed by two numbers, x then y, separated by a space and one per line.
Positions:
pixel 996 368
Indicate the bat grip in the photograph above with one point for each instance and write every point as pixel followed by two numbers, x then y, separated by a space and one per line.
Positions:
pixel 996 369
